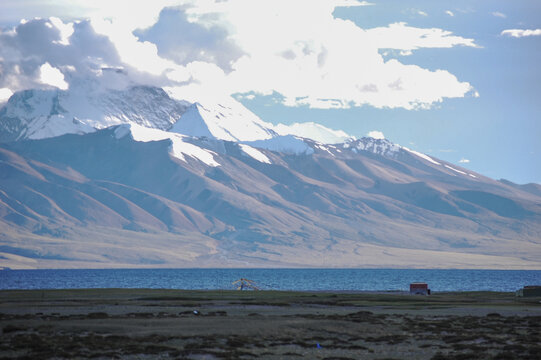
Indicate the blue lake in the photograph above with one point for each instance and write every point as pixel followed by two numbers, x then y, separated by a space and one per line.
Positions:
pixel 272 279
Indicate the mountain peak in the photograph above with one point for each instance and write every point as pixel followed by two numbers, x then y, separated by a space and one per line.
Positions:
pixel 228 120
pixel 37 114
pixel 377 146
pixel 87 107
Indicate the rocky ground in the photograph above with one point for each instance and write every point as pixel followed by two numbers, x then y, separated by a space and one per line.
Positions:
pixel 174 324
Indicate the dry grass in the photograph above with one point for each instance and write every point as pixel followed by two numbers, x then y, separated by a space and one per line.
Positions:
pixel 139 323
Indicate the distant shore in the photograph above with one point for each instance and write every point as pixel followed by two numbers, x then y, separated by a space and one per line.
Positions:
pixel 145 323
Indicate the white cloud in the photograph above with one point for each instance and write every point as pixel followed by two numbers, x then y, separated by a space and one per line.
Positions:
pixel 142 55
pixel 375 134
pixel 449 12
pixel 464 161
pixel 125 12
pixel 5 94
pixel 406 52
pixel 323 70
pixel 403 37
pixel 518 33
pixel 41 52
pixel 499 14
pixel 306 57
pixel 66 30
pixel 422 13
pixel 351 3
pixel 52 76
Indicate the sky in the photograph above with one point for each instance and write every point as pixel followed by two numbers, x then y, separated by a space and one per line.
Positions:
pixel 456 80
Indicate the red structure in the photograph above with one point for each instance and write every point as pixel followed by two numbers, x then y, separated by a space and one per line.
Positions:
pixel 419 288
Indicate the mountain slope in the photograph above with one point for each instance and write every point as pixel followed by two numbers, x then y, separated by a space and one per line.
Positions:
pixel 94 177
pixel 224 121
pixel 364 203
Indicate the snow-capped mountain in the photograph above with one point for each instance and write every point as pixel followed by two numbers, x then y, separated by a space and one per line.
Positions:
pixel 377 146
pixel 179 146
pixel 85 108
pixel 135 178
pixel 228 121
pixel 148 113
pixel 39 114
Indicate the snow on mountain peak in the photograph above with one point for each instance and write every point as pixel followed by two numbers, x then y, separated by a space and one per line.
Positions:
pixel 37 114
pixel 377 146
pixel 421 155
pixel 229 121
pixel 386 148
pixel 179 147
pixel 314 131
pixel 383 147
pixel 87 106
pixel 254 153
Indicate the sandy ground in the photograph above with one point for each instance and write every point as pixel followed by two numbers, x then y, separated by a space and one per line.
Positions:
pixel 175 324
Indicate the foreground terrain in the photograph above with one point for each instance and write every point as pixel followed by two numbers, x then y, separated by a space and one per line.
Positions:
pixel 145 324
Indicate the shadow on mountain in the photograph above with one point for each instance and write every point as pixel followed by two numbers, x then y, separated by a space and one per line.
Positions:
pixel 498 204
pixel 418 194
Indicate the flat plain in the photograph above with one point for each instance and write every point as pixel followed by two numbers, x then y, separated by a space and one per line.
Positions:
pixel 181 324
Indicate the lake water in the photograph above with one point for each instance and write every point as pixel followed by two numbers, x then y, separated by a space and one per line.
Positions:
pixel 272 279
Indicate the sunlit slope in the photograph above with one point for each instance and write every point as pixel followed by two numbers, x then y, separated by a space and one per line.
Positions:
pixel 105 200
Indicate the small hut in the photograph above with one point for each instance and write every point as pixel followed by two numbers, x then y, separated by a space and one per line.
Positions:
pixel 528 291
pixel 419 288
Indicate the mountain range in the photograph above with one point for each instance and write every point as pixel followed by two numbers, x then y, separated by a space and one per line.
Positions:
pixel 101 178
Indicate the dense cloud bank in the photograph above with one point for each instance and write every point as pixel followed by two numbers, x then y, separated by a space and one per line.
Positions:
pixel 204 49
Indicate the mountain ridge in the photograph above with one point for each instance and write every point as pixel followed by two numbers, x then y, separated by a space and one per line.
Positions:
pixel 35 114
pixel 43 113
pixel 128 195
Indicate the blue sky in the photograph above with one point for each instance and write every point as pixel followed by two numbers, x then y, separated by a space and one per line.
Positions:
pixel 500 131
pixel 457 80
